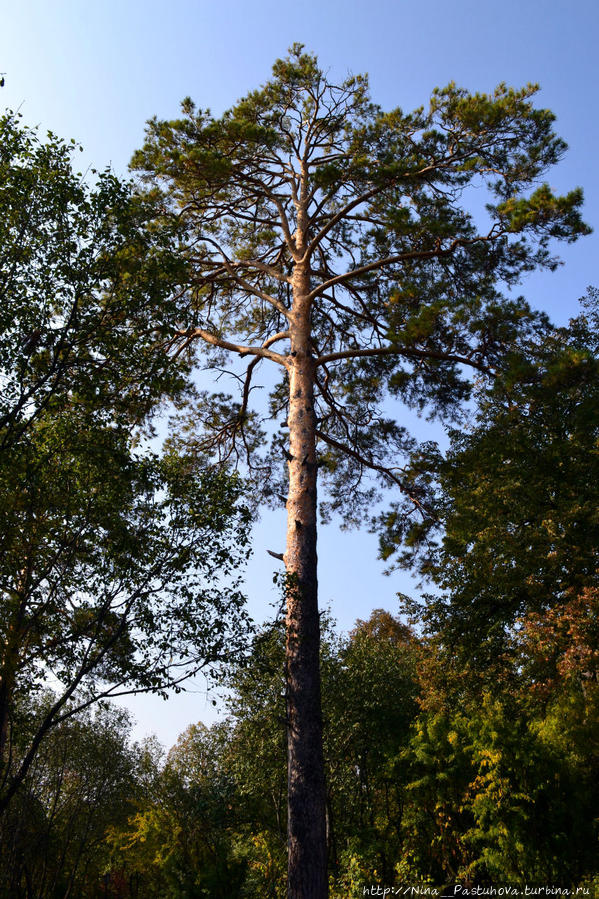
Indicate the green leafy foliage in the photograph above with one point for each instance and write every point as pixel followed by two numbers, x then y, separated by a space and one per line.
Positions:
pixel 118 567
pixel 85 288
pixel 427 782
pixel 224 788
pixel 85 778
pixel 467 754
pixel 504 755
pixel 338 241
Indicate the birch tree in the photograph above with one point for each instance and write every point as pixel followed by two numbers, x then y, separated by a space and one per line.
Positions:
pixel 334 240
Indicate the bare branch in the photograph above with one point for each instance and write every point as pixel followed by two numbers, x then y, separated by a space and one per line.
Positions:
pixel 278 556
pixel 240 349
pixel 229 266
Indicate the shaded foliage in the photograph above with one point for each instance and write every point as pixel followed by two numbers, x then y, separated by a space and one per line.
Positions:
pixel 84 778
pixel 516 525
pixel 118 567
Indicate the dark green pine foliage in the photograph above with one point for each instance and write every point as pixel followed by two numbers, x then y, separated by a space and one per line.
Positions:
pixel 515 498
pixel 403 276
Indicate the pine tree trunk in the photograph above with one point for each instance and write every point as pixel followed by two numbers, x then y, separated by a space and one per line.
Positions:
pixel 307 850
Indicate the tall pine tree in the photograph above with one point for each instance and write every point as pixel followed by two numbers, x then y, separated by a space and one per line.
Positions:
pixel 332 239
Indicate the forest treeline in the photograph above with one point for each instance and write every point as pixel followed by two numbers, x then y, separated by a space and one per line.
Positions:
pixel 432 777
pixel 463 748
pixel 306 228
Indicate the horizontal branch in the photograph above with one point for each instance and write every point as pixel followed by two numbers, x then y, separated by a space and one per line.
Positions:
pixel 438 252
pixel 356 354
pixel 263 267
pixel 406 352
pixel 262 351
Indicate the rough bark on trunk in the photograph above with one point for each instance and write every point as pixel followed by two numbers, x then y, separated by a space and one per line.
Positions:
pixel 8 666
pixel 307 851
pixel 5 697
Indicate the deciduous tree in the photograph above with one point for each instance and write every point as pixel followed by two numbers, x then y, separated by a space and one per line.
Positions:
pixel 85 289
pixel 111 557
pixel 83 780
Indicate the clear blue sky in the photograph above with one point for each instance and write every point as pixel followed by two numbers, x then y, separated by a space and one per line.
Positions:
pixel 97 71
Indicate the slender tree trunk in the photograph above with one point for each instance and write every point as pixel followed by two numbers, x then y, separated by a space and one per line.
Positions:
pixel 5 697
pixel 8 666
pixel 307 851
pixel 9 659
